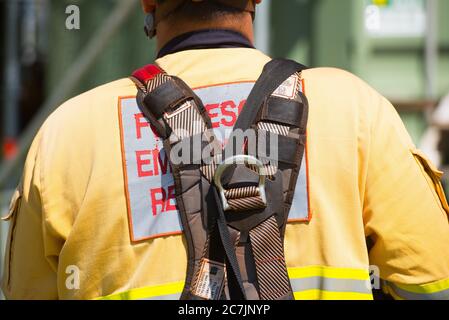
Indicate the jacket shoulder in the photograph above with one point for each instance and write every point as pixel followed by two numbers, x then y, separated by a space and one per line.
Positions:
pixel 87 114
pixel 333 79
pixel 98 98
pixel 336 89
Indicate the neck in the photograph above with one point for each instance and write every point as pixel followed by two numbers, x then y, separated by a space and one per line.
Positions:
pixel 166 31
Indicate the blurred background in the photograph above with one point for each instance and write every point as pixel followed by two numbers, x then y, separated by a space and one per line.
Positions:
pixel 400 47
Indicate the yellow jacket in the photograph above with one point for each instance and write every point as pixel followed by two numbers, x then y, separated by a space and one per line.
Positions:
pixel 94 216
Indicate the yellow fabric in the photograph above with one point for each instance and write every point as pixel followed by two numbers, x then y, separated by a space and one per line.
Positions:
pixel 365 180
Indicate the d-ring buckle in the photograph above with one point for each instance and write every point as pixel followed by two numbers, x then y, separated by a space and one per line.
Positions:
pixel 240 160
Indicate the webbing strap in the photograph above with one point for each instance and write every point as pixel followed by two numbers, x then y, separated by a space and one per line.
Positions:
pixel 280 110
pixel 245 199
pixel 235 282
pixel 271 267
pixel 167 95
pixel 266 240
pixel 273 75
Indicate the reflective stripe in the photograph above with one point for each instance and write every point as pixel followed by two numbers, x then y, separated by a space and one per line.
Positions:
pixel 334 285
pixel 433 291
pixel 433 287
pixel 327 295
pixel 309 283
pixel 327 283
pixel 171 297
pixel 165 292
pixel 329 272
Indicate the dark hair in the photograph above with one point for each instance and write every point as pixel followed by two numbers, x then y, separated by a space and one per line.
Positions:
pixel 202 11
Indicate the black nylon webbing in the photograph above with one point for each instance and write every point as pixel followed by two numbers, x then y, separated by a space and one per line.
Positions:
pixel 273 75
pixel 268 251
pixel 235 282
pixel 280 110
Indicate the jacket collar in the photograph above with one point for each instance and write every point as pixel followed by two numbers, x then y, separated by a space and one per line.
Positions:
pixel 205 39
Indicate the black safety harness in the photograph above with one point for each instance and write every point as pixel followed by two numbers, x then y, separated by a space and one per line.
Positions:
pixel 233 201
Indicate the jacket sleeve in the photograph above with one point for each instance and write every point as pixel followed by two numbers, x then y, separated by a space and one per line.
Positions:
pixel 405 211
pixel 28 272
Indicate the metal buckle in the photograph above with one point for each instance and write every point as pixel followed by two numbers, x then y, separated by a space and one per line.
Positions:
pixel 240 160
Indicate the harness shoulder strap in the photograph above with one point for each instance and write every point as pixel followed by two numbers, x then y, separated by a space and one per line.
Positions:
pixel 273 75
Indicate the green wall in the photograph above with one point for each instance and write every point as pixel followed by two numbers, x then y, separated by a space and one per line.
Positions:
pixel 129 50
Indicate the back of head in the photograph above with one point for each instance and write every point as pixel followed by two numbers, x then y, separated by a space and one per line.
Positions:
pixel 203 11
pixel 170 18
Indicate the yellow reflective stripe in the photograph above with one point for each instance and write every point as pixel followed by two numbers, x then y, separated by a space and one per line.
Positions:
pixel 421 292
pixel 434 287
pixel 330 283
pixel 307 273
pixel 328 272
pixel 328 295
pixel 148 292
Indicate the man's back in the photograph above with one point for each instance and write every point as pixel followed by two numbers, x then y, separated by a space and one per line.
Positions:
pixel 98 194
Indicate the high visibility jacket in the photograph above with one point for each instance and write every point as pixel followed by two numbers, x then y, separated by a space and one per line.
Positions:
pixel 95 215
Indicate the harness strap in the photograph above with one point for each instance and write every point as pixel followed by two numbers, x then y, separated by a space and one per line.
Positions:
pixel 268 251
pixel 274 74
pixel 266 239
pixel 179 116
pixel 283 111
pixel 167 96
pixel 254 226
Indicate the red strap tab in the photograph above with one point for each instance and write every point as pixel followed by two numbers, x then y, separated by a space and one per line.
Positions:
pixel 147 73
